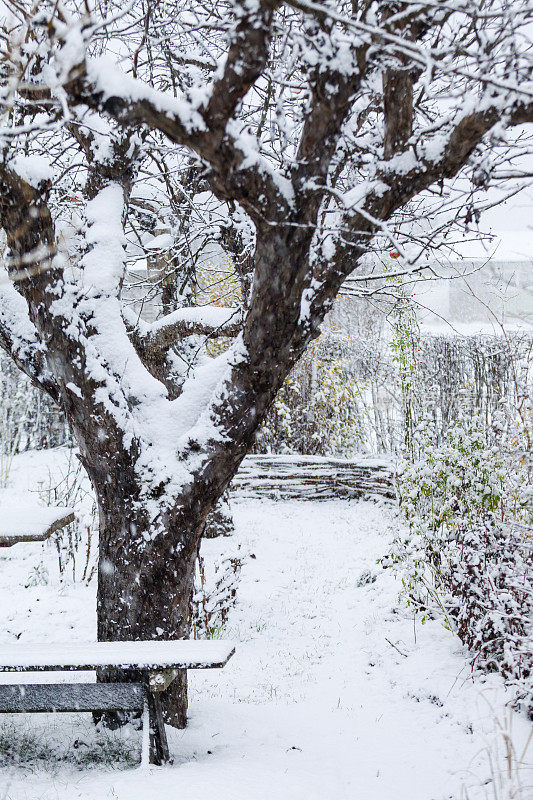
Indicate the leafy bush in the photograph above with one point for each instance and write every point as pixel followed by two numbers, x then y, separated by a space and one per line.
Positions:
pixel 490 577
pixel 467 555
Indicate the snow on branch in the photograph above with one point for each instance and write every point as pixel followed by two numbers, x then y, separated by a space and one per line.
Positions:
pixel 132 102
pixel 205 320
pixel 103 263
pixel 19 337
pixel 399 179
pixel 428 58
pixel 247 57
pixel 201 122
pixel 161 335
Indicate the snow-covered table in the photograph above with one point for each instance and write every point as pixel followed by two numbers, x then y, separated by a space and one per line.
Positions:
pixel 31 523
pixel 158 664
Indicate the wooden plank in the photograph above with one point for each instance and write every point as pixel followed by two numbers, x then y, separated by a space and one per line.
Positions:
pixel 160 681
pixel 146 656
pixel 46 697
pixel 159 752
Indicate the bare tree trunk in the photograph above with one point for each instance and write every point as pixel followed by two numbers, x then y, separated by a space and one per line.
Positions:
pixel 145 585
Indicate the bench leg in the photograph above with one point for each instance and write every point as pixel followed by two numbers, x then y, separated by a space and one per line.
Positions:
pixel 159 753
pixel 145 750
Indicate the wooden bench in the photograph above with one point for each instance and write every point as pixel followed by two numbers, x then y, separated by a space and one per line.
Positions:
pixel 157 662
pixel 31 523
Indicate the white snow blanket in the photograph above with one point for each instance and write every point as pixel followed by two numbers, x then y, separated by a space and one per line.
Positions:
pixel 335 692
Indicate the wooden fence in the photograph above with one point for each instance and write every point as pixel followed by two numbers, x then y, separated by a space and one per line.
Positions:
pixel 297 477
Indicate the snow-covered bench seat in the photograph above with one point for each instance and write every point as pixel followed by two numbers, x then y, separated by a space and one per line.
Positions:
pixel 157 662
pixel 31 523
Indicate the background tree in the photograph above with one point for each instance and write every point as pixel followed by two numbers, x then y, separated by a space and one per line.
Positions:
pixel 295 133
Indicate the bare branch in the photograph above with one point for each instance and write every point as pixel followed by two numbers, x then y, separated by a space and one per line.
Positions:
pixel 359 224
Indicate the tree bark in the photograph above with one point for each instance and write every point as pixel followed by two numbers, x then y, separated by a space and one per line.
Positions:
pixel 145 584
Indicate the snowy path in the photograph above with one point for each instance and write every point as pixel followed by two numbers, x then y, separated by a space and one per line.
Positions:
pixel 332 694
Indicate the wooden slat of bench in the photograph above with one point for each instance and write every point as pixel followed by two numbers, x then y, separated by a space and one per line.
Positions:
pixel 15 698
pixel 146 656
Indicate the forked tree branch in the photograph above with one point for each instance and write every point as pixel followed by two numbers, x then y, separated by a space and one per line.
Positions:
pixel 361 223
pixel 203 129
pixel 153 340
pixel 246 60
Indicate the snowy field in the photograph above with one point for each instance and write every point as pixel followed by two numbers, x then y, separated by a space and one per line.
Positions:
pixel 333 694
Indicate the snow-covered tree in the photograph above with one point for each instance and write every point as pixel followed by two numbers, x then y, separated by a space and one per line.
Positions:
pixel 293 133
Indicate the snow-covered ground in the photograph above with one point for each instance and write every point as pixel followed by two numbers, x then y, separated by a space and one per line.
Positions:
pixel 333 694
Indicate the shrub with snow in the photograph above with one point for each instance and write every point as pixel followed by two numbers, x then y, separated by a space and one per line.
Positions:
pixel 467 553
